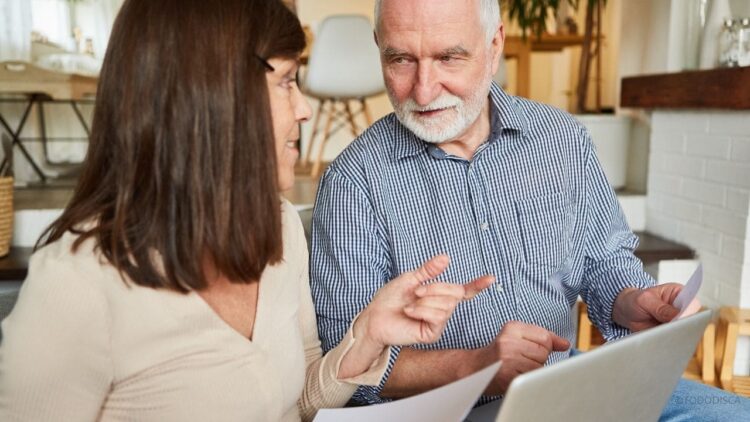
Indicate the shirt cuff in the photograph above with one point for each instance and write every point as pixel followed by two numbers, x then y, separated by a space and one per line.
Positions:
pixel 370 377
pixel 603 300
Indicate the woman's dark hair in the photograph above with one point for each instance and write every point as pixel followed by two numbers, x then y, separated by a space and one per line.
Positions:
pixel 181 166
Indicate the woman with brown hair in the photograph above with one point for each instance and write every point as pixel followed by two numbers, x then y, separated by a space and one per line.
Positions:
pixel 174 285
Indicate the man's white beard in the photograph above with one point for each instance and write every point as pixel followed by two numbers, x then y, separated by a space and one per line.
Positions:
pixel 449 124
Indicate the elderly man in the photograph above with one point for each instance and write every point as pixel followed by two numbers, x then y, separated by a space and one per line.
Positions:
pixel 501 184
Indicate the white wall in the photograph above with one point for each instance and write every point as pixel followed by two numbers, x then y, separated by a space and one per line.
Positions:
pixel 699 195
pixel 650 41
pixel 644 48
pixel 740 8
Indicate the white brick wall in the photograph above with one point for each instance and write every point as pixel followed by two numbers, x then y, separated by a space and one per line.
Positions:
pixel 634 208
pixel 699 195
pixel 740 150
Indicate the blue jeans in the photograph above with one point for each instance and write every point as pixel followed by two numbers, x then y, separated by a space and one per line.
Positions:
pixel 693 401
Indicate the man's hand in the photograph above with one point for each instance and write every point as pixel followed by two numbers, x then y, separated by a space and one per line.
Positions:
pixel 641 309
pixel 522 348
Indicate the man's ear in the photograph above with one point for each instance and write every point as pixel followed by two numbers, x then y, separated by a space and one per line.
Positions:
pixel 497 44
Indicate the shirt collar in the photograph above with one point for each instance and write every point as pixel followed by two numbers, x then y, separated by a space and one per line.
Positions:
pixel 504 115
pixel 510 116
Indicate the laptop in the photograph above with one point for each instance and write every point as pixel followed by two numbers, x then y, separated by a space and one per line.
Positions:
pixel 628 379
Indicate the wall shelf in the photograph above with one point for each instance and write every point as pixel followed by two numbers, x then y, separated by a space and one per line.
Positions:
pixel 727 89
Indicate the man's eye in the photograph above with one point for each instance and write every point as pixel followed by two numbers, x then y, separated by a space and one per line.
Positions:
pixel 399 60
pixel 446 59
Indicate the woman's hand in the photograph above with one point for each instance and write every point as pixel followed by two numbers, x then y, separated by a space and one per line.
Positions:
pixel 407 311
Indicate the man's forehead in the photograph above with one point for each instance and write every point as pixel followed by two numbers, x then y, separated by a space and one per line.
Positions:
pixel 439 24
pixel 424 14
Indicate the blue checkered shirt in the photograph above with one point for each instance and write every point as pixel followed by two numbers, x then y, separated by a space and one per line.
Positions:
pixel 532 208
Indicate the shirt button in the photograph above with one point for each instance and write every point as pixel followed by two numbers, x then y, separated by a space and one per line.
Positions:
pixel 498 286
pixel 484 226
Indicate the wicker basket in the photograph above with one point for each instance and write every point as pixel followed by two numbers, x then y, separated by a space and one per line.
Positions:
pixel 6 214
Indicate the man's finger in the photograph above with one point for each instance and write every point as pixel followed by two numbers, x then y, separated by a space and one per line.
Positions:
pixel 560 344
pixel 669 291
pixel 656 307
pixel 548 339
pixel 535 352
pixel 539 335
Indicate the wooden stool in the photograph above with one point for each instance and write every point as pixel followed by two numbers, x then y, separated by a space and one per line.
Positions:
pixel 733 322
pixel 701 365
pixel 588 336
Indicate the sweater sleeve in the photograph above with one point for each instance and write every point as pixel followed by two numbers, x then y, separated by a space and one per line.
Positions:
pixel 322 388
pixel 55 355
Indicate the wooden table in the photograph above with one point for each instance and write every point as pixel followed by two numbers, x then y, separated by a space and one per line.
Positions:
pixel 22 77
pixel 30 85
pixel 517 48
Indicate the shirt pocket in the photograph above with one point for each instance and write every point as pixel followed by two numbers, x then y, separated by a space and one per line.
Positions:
pixel 546 224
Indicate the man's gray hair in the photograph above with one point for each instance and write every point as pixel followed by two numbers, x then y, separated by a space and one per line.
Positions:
pixel 489 15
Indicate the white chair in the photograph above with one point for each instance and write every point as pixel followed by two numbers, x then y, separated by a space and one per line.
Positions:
pixel 344 65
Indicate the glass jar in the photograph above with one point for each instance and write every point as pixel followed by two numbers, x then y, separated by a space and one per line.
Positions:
pixel 729 43
pixel 743 39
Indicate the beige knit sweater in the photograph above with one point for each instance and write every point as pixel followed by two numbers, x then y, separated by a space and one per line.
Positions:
pixel 81 345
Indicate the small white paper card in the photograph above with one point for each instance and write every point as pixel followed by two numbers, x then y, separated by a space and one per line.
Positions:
pixel 688 292
pixel 449 403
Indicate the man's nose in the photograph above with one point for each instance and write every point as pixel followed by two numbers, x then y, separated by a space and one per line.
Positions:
pixel 427 87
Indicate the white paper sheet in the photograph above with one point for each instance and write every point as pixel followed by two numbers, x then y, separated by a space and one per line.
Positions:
pixel 449 403
pixel 688 292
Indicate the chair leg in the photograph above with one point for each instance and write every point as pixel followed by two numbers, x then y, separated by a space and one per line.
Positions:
pixel 366 111
pixel 584 329
pixel 721 338
pixel 350 117
pixel 316 123
pixel 726 345
pixel 16 137
pixel 319 158
pixel 708 374
pixel 43 131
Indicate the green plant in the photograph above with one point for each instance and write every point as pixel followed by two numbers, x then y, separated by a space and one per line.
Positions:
pixel 531 16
